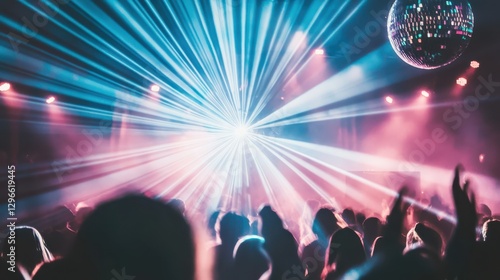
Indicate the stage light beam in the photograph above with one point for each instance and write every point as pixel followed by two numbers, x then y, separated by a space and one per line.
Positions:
pixel 50 100
pixel 462 81
pixel 319 51
pixel 481 158
pixel 4 87
pixel 155 88
pixel 389 99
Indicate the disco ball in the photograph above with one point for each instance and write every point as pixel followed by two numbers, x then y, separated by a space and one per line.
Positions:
pixel 428 34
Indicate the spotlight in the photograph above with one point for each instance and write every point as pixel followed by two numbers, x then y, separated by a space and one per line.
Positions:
pixel 319 51
pixel 50 99
pixel 425 93
pixel 461 81
pixel 155 88
pixel 474 64
pixel 241 131
pixel 481 158
pixel 389 99
pixel 282 98
pixel 4 87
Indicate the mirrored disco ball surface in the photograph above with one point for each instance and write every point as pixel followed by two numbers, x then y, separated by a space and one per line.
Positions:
pixel 428 34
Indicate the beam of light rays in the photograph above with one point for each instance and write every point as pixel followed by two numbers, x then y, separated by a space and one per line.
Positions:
pixel 344 85
pixel 110 51
pixel 215 98
pixel 197 137
pixel 327 177
pixel 330 157
pixel 114 164
pixel 303 59
pixel 154 117
pixel 275 184
pixel 289 160
pixel 361 109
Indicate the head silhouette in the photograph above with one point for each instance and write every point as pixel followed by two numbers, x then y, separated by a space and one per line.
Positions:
pixel 232 227
pixel 491 231
pixel 345 250
pixel 324 224
pixel 271 223
pixel 134 236
pixel 379 246
pixel 178 204
pixel 349 217
pixel 250 259
pixel 421 234
pixel 30 249
pixel 372 227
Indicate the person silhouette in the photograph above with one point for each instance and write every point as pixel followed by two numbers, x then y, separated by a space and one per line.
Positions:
pixel 133 237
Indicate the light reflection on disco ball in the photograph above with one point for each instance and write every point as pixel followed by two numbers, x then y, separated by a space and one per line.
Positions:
pixel 428 34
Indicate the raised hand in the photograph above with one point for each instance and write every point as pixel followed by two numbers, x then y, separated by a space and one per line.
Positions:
pixel 392 232
pixel 460 247
pixel 465 202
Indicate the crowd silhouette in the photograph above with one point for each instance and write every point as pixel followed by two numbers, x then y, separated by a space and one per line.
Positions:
pixel 136 237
